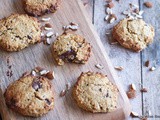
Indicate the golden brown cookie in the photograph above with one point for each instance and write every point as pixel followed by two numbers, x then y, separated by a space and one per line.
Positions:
pixel 133 34
pixel 71 48
pixel 30 96
pixel 18 31
pixel 41 7
pixel 95 93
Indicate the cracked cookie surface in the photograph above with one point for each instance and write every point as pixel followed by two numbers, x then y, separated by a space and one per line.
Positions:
pixel 30 96
pixel 71 48
pixel 41 7
pixel 133 34
pixel 95 93
pixel 18 31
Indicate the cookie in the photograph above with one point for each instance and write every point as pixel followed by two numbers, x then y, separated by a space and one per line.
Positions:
pixel 70 47
pixel 30 96
pixel 41 7
pixel 95 93
pixel 133 34
pixel 18 31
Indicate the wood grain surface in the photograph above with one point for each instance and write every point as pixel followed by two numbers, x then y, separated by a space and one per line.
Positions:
pixel 40 55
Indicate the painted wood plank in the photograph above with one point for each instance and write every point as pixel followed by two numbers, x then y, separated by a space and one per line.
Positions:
pixel 151 80
pixel 120 56
pixel 40 55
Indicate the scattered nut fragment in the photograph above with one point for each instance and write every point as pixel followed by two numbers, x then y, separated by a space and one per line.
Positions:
pixel 63 93
pixel 33 73
pixel 68 86
pixel 114 16
pixel 50 75
pixel 99 66
pixel 38 69
pixel 110 5
pixel 132 86
pixel 112 20
pixel 106 18
pixel 108 11
pixel 48 25
pixel 47 28
pixel 148 4
pixel 73 26
pixel 152 68
pixel 49 34
pixel 134 114
pixel 43 72
pixel 132 92
pixel 147 63
pixel 144 90
pixel 48 42
pixel 120 68
pixel 46 19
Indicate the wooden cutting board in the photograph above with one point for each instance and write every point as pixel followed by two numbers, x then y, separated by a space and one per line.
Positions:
pixel 40 55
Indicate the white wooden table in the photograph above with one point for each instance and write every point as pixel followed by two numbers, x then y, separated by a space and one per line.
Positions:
pixel 133 63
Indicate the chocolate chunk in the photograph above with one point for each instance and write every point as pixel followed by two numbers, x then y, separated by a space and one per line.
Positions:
pixel 100 90
pixel 69 55
pixel 36 84
pixel 29 37
pixel 48 102
pixel 107 95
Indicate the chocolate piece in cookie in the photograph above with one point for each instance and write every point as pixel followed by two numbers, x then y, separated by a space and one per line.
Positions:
pixel 18 31
pixel 30 96
pixel 95 93
pixel 41 7
pixel 133 34
pixel 71 48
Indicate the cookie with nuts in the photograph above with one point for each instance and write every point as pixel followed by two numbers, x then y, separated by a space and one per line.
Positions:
pixel 18 31
pixel 41 7
pixel 133 34
pixel 70 47
pixel 30 96
pixel 95 93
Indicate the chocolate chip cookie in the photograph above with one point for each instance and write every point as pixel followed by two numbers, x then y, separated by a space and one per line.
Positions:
pixel 30 96
pixel 18 31
pixel 70 47
pixel 41 7
pixel 95 93
pixel 133 34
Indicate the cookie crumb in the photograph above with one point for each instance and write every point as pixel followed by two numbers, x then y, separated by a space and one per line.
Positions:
pixel 147 63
